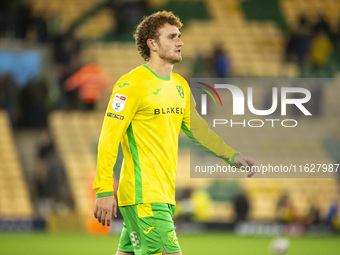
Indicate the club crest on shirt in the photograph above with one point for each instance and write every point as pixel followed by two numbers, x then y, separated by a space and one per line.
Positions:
pixel 180 90
pixel 118 103
pixel 173 238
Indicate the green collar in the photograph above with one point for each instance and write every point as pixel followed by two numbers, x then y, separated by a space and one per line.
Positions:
pixel 159 77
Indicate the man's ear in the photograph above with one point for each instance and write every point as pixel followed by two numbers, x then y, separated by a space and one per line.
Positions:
pixel 151 44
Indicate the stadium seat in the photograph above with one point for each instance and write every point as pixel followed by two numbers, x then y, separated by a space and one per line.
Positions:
pixel 14 203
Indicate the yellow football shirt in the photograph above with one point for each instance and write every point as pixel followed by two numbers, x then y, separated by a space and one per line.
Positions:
pixel 145 114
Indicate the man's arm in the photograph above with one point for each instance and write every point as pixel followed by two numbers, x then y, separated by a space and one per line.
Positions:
pixel 124 103
pixel 197 129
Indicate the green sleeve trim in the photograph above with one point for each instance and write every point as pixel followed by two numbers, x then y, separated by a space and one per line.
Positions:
pixel 232 162
pixel 105 194
pixel 159 77
pixel 195 141
pixel 138 172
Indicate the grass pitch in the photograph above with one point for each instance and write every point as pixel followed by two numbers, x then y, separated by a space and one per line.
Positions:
pixel 214 243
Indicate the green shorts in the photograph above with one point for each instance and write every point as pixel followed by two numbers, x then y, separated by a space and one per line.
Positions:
pixel 147 228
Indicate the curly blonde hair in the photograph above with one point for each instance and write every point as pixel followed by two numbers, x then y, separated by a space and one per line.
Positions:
pixel 149 27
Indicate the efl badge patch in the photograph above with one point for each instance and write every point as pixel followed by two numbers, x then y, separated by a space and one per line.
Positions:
pixel 118 103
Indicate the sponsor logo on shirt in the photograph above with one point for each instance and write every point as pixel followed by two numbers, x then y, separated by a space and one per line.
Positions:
pixel 118 103
pixel 169 110
pixel 115 116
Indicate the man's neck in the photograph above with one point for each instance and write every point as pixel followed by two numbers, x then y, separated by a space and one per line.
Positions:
pixel 161 68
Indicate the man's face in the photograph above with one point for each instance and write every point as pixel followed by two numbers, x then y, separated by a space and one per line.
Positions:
pixel 169 44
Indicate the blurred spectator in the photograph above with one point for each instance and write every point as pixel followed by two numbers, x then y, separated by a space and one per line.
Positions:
pixel 69 98
pixel 59 54
pixel 66 47
pixel 221 62
pixel 320 51
pixel 51 186
pixel 40 25
pixel 311 46
pixel 22 19
pixel 241 206
pixel 4 16
pixel 33 100
pixel 201 205
pixel 322 25
pixel 285 211
pixel 297 44
pixel 91 80
pixel 303 33
pixel 313 217
pixel 332 215
pixel 290 47
pixel 127 12
pixel 119 13
pixel 136 10
pixel 185 205
pixel 45 148
pixel 72 46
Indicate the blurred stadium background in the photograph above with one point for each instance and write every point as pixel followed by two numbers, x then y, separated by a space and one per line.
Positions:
pixel 58 61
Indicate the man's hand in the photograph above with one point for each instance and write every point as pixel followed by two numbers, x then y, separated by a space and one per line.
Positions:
pixel 241 160
pixel 104 210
